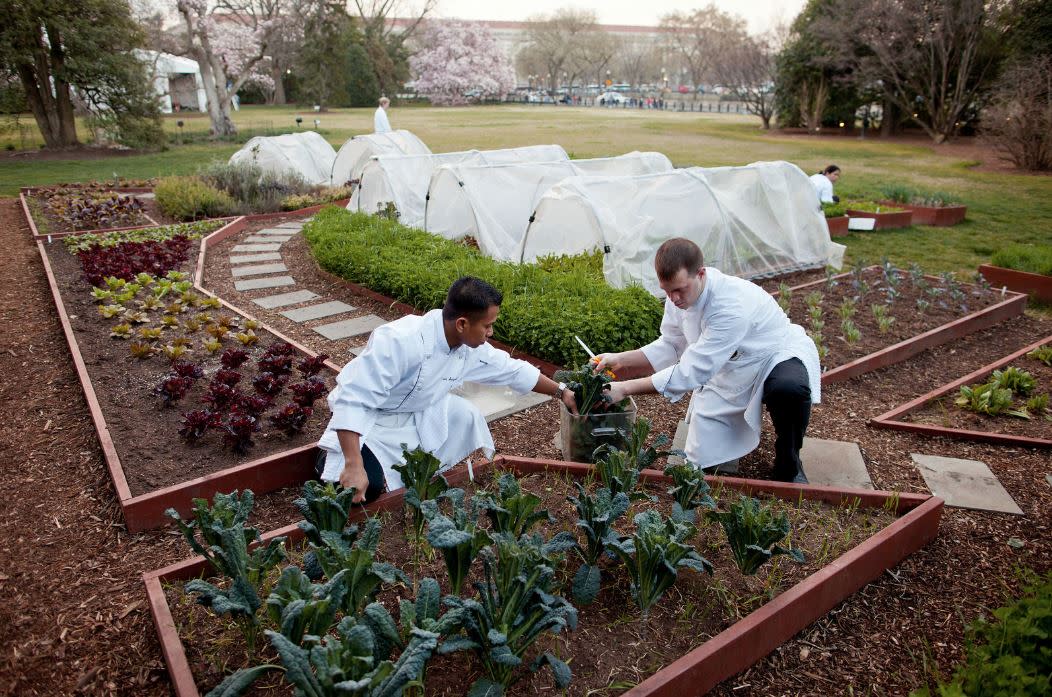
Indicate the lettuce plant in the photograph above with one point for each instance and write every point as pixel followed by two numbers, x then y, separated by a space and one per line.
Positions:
pixel 596 515
pixel 1043 354
pixel 253 405
pixel 309 391
pixel 221 396
pixel 511 511
pixel 232 358
pixel 196 423
pixel 173 388
pixel 291 418
pixel 754 530
pixel 247 338
pixel 227 377
pixel 1011 378
pixel 457 536
pixel 689 491
pixel 238 430
pixel 312 365
pixel 277 364
pixel 212 345
pixel 121 331
pixel 422 482
pixel 280 348
pixel 654 554
pixel 268 384
pixel 988 399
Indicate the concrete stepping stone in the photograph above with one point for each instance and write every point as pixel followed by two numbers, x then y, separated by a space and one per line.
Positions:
pixel 679 442
pixel 249 258
pixel 148 195
pixel 249 248
pixel 289 226
pixel 350 327
pixel 265 282
pixel 258 269
pixel 305 314
pixel 277 231
pixel 834 463
pixel 295 298
pixel 496 402
pixel 359 350
pixel 964 483
pixel 266 239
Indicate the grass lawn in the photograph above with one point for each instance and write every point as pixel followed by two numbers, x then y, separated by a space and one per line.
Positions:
pixel 1003 208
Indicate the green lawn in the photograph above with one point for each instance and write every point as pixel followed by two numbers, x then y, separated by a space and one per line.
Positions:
pixel 1002 208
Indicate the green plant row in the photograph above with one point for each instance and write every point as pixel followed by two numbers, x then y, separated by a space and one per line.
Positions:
pixel 900 193
pixel 542 309
pixel 870 207
pixel 79 243
pixel 1025 257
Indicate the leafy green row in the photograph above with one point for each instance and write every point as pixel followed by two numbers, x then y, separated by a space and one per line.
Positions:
pixel 79 243
pixel 542 309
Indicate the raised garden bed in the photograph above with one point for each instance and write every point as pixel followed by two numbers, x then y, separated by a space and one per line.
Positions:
pixel 885 221
pixel 926 311
pixel 89 208
pixel 151 467
pixel 1035 285
pixel 936 414
pixel 937 216
pixel 838 225
pixel 677 663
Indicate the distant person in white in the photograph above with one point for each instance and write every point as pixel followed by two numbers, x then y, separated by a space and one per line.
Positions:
pixel 823 183
pixel 380 122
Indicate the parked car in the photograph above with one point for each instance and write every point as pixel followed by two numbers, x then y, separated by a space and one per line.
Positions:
pixel 609 98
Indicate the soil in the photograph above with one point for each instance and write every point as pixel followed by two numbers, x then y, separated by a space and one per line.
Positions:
pixel 76 620
pixel 145 433
pixel 47 221
pixel 696 608
pixel 944 412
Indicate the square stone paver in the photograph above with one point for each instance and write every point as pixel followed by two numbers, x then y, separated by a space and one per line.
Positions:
pixel 266 239
pixel 265 282
pixel 359 350
pixel 249 248
pixel 679 442
pixel 964 483
pixel 834 463
pixel 277 232
pixel 305 314
pixel 294 298
pixel 291 225
pixel 496 402
pixel 350 327
pixel 249 258
pixel 258 269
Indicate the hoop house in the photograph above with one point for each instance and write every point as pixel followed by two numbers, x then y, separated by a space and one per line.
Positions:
pixel 356 152
pixel 305 154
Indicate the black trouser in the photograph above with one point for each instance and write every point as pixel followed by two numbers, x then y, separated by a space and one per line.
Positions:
pixel 373 470
pixel 787 394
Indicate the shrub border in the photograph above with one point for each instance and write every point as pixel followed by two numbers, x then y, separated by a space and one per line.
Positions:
pixel 891 419
pixel 723 656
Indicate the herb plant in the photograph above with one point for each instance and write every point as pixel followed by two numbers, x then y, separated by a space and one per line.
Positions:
pixel 754 530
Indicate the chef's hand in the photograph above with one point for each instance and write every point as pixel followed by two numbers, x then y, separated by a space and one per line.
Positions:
pixel 354 475
pixel 617 391
pixel 608 361
pixel 569 400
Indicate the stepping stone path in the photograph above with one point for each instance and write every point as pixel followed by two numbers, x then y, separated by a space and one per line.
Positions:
pixel 350 327
pixel 265 282
pixel 257 269
pixel 306 314
pixel 249 258
pixel 278 232
pixel 257 247
pixel 272 301
pixel 267 239
pixel 964 483
pixel 834 463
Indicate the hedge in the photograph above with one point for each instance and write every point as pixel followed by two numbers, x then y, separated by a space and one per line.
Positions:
pixel 543 307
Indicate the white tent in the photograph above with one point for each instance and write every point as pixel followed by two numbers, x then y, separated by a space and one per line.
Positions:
pixel 306 154
pixel 751 221
pixel 493 203
pixel 403 179
pixel 355 153
pixel 176 80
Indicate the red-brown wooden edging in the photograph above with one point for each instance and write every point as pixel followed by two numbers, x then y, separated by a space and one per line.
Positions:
pixel 1012 306
pixel 146 511
pixel 838 225
pixel 1037 285
pixel 723 656
pixel 891 419
pixel 936 216
pixel 885 221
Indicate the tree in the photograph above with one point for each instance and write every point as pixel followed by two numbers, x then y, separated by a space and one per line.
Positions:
pixel 748 70
pixel 363 89
pixel 553 44
pixel 701 38
pixel 229 42
pixel 55 47
pixel 458 58
pixel 385 42
pixel 1019 120
pixel 637 61
pixel 328 32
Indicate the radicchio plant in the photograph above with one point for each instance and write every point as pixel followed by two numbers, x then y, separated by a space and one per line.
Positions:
pixel 291 418
pixel 308 391
pixel 238 430
pixel 196 423
pixel 233 358
pixel 312 366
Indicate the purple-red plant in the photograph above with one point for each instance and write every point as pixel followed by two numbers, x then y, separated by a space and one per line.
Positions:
pixel 253 405
pixel 292 418
pixel 221 396
pixel 238 430
pixel 233 358
pixel 173 388
pixel 308 391
pixel 195 423
pixel 280 348
pixel 127 259
pixel 268 384
pixel 185 369
pixel 227 377
pixel 276 363
pixel 312 366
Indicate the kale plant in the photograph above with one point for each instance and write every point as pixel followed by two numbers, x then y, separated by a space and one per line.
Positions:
pixel 422 482
pixel 353 551
pixel 753 531
pixel 617 473
pixel 511 511
pixel 596 515
pixel 689 491
pixel 457 536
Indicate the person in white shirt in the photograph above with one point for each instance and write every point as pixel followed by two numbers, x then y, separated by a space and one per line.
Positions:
pixel 727 341
pixel 397 392
pixel 823 183
pixel 380 122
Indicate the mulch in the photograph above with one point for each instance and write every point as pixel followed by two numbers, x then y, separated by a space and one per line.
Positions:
pixel 76 619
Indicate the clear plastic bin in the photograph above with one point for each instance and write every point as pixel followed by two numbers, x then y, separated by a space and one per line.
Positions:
pixel 581 435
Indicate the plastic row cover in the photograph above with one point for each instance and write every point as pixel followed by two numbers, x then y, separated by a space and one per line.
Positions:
pixel 305 154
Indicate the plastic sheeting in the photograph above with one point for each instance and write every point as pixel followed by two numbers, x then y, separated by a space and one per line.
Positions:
pixel 752 221
pixel 356 152
pixel 493 203
pixel 403 179
pixel 306 154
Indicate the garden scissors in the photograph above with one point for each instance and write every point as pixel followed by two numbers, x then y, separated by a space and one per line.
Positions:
pixel 585 347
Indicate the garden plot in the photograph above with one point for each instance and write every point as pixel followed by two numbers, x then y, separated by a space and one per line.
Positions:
pixel 1008 402
pixel 876 316
pixel 89 208
pixel 747 615
pixel 187 397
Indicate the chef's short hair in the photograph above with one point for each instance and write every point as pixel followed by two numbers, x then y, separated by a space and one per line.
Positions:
pixel 831 169
pixel 384 101
pixel 470 297
pixel 675 254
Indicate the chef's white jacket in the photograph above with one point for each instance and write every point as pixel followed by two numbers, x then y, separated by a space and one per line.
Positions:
pixel 380 122
pixel 823 187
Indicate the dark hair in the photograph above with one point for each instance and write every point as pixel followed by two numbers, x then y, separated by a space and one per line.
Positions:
pixel 470 297
pixel 675 254
pixel 831 169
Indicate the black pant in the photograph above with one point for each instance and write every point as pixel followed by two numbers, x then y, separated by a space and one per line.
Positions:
pixel 787 394
pixel 373 470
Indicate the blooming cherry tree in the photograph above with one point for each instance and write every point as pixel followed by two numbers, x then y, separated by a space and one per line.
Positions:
pixel 459 58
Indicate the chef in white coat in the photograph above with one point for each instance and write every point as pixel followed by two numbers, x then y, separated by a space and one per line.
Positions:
pixel 727 341
pixel 397 392
pixel 380 122
pixel 823 183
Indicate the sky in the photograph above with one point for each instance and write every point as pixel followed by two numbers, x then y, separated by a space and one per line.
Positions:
pixel 760 15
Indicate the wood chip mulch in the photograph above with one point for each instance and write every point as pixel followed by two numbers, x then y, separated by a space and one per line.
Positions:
pixel 75 617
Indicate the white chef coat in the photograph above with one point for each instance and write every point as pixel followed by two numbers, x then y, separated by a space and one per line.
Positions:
pixel 723 347
pixel 398 392
pixel 380 122
pixel 823 187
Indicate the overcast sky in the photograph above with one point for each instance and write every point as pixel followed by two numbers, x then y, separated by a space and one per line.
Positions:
pixel 761 15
